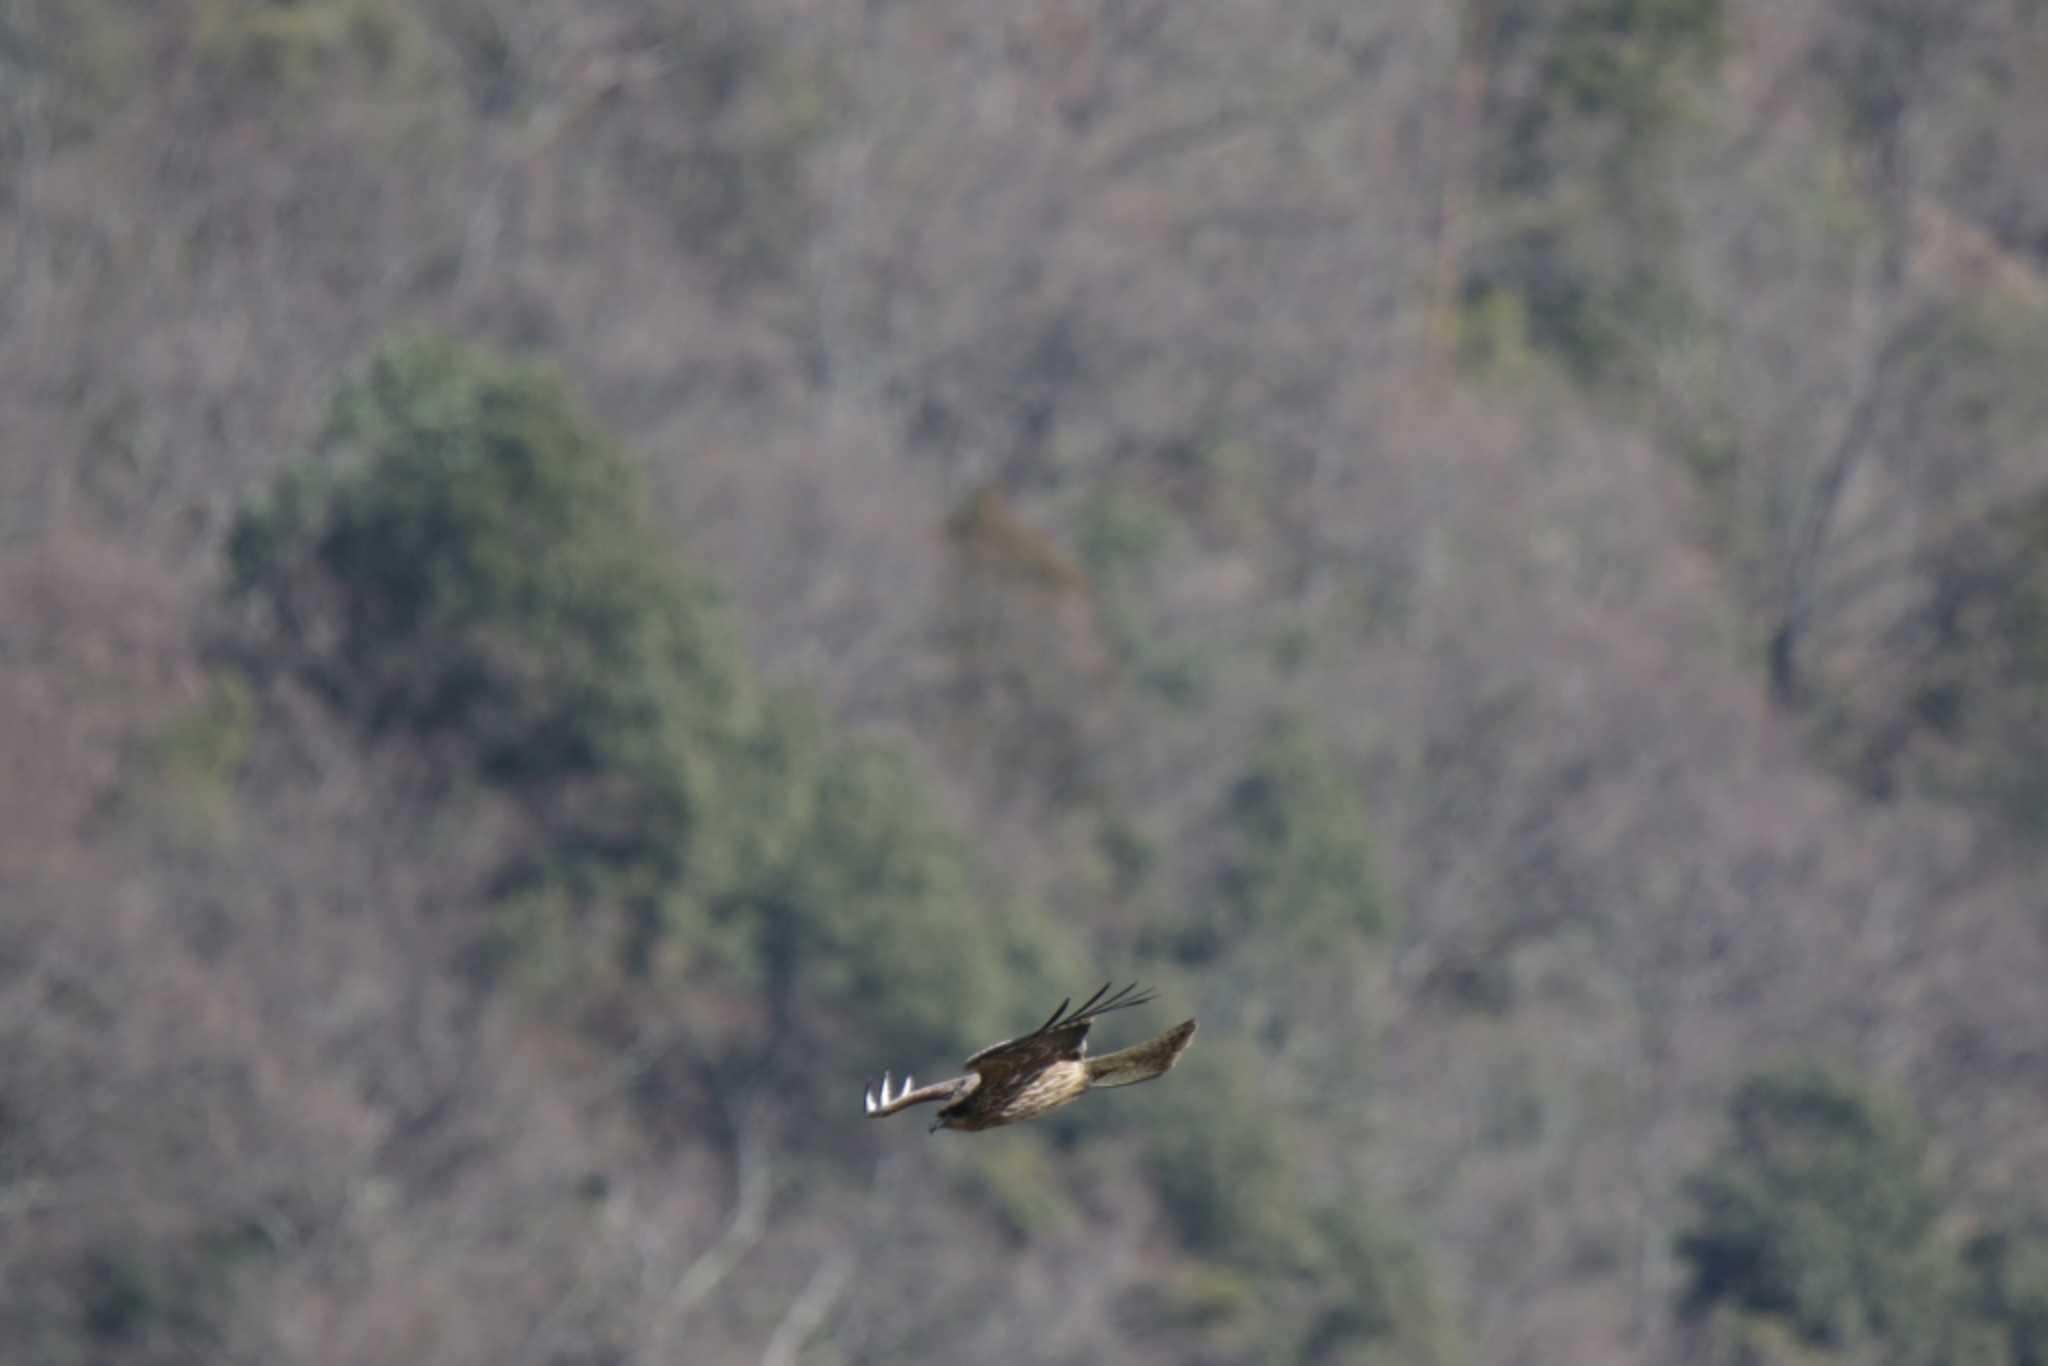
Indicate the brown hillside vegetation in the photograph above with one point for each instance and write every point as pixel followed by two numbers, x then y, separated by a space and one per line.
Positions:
pixel 576 581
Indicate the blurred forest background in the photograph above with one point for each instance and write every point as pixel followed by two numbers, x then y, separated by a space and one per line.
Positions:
pixel 577 580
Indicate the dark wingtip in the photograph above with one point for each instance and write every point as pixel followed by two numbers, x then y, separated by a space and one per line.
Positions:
pixel 1123 1000
pixel 1139 999
pixel 1096 1005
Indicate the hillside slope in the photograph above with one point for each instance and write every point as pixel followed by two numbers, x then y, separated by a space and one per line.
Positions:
pixel 1499 557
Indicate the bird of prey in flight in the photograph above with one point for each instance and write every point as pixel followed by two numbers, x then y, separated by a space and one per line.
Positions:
pixel 1037 1073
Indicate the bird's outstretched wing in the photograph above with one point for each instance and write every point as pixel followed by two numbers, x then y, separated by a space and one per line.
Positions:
pixel 1065 1035
pixel 905 1096
pixel 1141 1062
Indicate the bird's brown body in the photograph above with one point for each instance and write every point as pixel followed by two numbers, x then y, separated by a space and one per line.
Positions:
pixel 1026 1077
pixel 1020 1098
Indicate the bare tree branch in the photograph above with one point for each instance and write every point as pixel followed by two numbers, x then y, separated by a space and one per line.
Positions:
pixel 715 1263
pixel 808 1311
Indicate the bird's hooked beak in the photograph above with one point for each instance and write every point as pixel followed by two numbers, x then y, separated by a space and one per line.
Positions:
pixel 937 1125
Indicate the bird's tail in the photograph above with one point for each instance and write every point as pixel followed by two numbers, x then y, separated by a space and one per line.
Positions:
pixel 1143 1061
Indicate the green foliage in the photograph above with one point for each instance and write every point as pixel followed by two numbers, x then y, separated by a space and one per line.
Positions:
pixel 1220 1164
pixel 1980 691
pixel 146 1298
pixel 1298 868
pixel 1024 1187
pixel 1135 542
pixel 1490 334
pixel 1817 1213
pixel 1968 381
pixel 1385 1297
pixel 2006 1290
pixel 1969 659
pixel 878 905
pixel 1125 529
pixel 291 44
pixel 1583 95
pixel 1818 1222
pixel 1620 59
pixel 1563 284
pixel 1331 1280
pixel 1879 61
pixel 185 779
pixel 1205 1295
pixel 84 56
pixel 1732 1338
pixel 212 737
pixel 1227 1308
pixel 113 1299
pixel 467 571
pixel 1128 855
